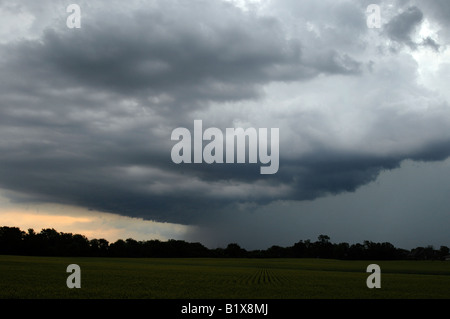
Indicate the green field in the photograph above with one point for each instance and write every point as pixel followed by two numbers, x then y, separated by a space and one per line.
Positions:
pixel 45 277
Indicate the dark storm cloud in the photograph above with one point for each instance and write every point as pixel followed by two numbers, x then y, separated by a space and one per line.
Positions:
pixel 86 114
pixel 207 51
pixel 204 51
pixel 402 26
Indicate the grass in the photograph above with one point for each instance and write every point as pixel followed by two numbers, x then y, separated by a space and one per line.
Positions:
pixel 45 277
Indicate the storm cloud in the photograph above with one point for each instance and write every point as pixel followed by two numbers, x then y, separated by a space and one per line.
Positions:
pixel 86 114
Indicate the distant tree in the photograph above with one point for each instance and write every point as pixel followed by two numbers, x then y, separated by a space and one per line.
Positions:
pixel 11 240
pixel 307 243
pixel 324 239
pixel 153 248
pixel 198 250
pixel 356 251
pixel 322 248
pixel 79 246
pixel 430 253
pixel 48 239
pixel 118 249
pixel 235 251
pixel 340 251
pixel 133 248
pixel 94 247
pixel 31 242
pixel 443 252
pixel 49 242
pixel 300 250
pixel 277 252
pixel 99 247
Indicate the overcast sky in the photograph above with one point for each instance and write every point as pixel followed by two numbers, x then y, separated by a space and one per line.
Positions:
pixel 86 116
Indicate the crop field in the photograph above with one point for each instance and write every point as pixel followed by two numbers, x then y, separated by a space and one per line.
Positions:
pixel 45 277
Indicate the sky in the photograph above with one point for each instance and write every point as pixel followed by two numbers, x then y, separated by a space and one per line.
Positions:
pixel 87 114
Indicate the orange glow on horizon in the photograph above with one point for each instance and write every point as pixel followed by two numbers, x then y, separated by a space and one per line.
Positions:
pixel 88 223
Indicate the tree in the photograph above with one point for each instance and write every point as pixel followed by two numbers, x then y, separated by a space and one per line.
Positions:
pixel 118 248
pixel 234 250
pixel 277 252
pixel 443 251
pixel 48 239
pixel 31 242
pixel 324 239
pixel 11 240
pixel 79 246
pixel 430 253
pixel 323 248
pixel 300 250
pixel 133 248
pixel 340 251
pixel 99 247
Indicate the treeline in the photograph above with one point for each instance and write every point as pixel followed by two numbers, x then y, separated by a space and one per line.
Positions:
pixel 50 242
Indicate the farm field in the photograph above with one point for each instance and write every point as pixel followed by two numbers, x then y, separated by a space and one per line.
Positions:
pixel 104 278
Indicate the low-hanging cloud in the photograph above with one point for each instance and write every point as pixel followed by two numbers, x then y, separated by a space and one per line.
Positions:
pixel 86 114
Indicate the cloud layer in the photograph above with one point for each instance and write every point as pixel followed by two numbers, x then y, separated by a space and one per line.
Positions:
pixel 86 114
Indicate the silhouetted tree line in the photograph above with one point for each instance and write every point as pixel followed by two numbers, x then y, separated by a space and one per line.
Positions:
pixel 49 242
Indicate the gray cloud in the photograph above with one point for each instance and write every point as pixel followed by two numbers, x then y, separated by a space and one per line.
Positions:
pixel 403 25
pixel 86 115
pixel 429 42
